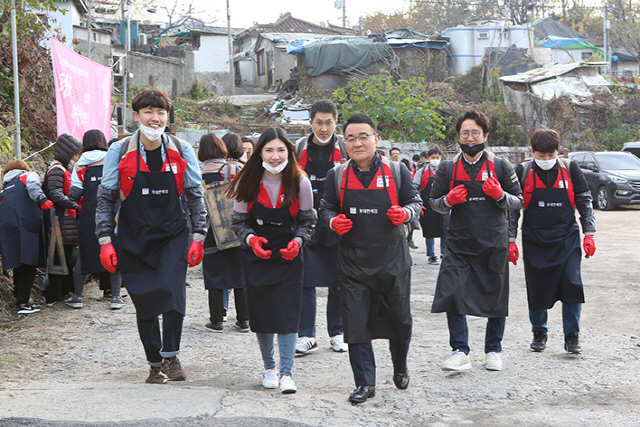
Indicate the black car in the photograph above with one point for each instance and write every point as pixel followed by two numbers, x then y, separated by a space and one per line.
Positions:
pixel 613 177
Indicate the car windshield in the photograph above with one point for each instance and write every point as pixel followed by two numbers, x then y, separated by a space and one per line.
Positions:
pixel 618 161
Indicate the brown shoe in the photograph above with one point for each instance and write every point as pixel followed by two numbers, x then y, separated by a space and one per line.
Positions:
pixel 172 369
pixel 156 376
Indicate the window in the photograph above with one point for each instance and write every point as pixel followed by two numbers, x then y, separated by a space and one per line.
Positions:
pixel 261 62
pixel 503 35
pixel 628 73
pixel 483 36
pixel 586 55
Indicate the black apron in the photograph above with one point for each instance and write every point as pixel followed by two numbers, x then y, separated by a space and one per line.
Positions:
pixel 20 226
pixel 154 237
pixel 474 276
pixel 87 240
pixel 222 269
pixel 433 224
pixel 321 253
pixel 274 285
pixel 551 247
pixel 374 267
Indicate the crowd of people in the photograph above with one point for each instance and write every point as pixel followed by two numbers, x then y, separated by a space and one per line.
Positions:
pixel 327 211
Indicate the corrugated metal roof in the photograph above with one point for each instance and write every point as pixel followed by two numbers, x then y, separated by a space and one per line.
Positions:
pixel 545 73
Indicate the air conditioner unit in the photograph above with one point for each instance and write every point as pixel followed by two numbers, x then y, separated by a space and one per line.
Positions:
pixel 118 65
pixel 142 39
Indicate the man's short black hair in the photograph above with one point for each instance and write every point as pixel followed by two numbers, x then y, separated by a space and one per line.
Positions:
pixel 395 148
pixel 545 140
pixel 478 117
pixel 424 154
pixel 359 118
pixel 434 150
pixel 416 158
pixel 324 106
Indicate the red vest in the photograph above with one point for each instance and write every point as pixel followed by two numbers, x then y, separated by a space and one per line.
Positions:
pixel 304 157
pixel 560 183
pixel 265 200
pixel 376 183
pixel 426 176
pixel 459 174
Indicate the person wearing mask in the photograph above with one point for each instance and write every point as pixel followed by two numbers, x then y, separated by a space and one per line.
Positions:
pixel 433 224
pixel 149 172
pixel 247 147
pixel 366 202
pixel 553 189
pixel 21 247
pixel 317 154
pixel 274 218
pixel 222 269
pixel 85 179
pixel 477 188
pixel 56 186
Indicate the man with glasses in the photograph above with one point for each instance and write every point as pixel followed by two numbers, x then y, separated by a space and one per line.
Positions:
pixel 477 188
pixel 366 202
pixel 317 154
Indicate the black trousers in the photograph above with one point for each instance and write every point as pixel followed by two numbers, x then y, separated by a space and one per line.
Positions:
pixel 157 346
pixel 363 362
pixel 23 278
pixel 216 305
pixel 61 286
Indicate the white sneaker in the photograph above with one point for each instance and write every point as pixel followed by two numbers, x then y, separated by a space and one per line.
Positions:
pixel 287 386
pixel 457 361
pixel 338 344
pixel 493 361
pixel 306 345
pixel 270 378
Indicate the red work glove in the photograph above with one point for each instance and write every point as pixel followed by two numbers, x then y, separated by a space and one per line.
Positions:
pixel 46 205
pixel 341 224
pixel 514 255
pixel 424 209
pixel 256 243
pixel 457 195
pixel 589 246
pixel 108 257
pixel 71 213
pixel 492 188
pixel 196 252
pixel 397 215
pixel 291 251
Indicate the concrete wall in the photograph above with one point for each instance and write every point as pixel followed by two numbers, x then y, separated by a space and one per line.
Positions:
pixel 545 55
pixel 172 75
pixel 248 69
pixel 100 45
pixel 211 62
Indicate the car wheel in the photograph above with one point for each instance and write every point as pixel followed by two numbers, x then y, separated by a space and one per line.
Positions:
pixel 603 199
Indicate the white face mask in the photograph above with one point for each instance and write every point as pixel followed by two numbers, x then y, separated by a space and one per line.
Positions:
pixel 275 170
pixel 151 133
pixel 434 162
pixel 317 138
pixel 545 165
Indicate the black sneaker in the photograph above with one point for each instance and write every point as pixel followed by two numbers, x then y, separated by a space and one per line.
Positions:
pixel 433 260
pixel 214 327
pixel 74 301
pixel 27 309
pixel 539 342
pixel 243 325
pixel 572 343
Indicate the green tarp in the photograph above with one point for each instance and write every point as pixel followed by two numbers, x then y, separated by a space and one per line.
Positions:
pixel 342 54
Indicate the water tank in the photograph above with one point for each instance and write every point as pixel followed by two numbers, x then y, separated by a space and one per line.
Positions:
pixel 461 46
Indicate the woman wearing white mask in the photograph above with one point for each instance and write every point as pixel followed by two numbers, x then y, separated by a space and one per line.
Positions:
pixel 552 189
pixel 274 217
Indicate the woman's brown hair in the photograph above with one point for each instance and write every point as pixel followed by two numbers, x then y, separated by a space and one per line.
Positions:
pixel 16 164
pixel 246 184
pixel 211 147
pixel 234 145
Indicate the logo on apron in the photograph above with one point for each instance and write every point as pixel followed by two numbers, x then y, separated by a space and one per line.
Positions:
pixel 485 175
pixel 93 178
pixel 145 191
pixel 353 210
pixel 379 183
pixel 174 168
pixel 562 184
pixel 312 177
pixel 259 221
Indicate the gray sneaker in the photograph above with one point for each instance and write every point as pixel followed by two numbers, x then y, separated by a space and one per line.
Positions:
pixel 74 301
pixel 116 303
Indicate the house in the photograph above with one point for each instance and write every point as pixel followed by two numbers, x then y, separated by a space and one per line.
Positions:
pixel 62 22
pixel 260 51
pixel 625 65
pixel 528 93
pixel 563 50
pixel 468 42
pixel 100 44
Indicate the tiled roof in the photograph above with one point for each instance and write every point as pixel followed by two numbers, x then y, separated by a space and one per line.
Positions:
pixel 289 24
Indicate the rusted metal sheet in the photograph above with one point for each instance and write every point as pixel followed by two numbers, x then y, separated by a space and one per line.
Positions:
pixel 219 208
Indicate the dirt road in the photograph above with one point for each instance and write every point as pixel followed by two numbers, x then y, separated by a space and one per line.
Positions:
pixel 87 365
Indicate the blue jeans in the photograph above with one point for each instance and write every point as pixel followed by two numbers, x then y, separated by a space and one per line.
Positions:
pixel 308 312
pixel 431 246
pixel 459 333
pixel 156 345
pixel 570 318
pixel 287 347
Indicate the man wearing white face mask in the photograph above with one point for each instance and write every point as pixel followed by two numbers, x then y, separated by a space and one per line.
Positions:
pixel 552 189
pixel 433 224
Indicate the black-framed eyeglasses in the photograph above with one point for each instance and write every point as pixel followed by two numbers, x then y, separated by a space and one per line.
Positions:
pixel 362 137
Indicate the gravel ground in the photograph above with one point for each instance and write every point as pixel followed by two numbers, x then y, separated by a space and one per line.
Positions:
pixel 65 367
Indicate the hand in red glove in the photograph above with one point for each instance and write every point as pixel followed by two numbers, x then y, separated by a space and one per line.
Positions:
pixel 514 255
pixel 398 215
pixel 457 195
pixel 256 243
pixel 195 254
pixel 46 205
pixel 589 246
pixel 341 224
pixel 291 251
pixel 424 209
pixel 71 213
pixel 492 188
pixel 108 257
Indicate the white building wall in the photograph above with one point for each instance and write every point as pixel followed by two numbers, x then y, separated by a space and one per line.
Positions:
pixel 213 54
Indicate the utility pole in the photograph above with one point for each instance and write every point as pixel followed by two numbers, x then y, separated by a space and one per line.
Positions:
pixel 232 80
pixel 89 24
pixel 125 79
pixel 16 82
pixel 604 38
pixel 344 13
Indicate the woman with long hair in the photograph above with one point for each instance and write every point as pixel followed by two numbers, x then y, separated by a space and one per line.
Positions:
pixel 222 269
pixel 274 217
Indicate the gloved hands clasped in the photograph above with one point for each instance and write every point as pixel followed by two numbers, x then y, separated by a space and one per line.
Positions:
pixel 398 215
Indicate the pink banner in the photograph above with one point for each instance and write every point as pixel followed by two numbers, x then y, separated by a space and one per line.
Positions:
pixel 83 92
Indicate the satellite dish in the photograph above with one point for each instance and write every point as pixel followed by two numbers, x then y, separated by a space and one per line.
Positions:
pixel 530 6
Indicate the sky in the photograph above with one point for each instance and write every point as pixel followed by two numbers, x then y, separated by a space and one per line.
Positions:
pixel 244 13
